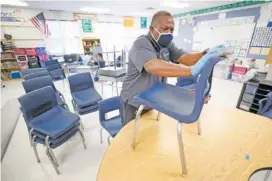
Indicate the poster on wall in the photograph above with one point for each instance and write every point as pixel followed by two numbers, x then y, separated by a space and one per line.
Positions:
pixel 242 53
pixel 143 22
pixel 78 16
pixel 87 26
pixel 128 22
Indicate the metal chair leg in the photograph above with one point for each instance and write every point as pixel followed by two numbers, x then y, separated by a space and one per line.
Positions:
pixel 35 149
pixel 102 88
pixel 30 136
pixel 138 114
pixel 82 137
pixel 50 151
pixel 158 116
pixel 181 151
pixel 81 124
pixel 267 175
pixel 52 161
pixel 101 136
pixel 199 128
pixel 109 140
pixel 116 84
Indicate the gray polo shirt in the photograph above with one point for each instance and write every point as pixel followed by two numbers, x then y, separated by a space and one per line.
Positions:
pixel 137 79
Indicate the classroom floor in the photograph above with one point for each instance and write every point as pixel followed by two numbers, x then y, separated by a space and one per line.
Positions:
pixel 19 162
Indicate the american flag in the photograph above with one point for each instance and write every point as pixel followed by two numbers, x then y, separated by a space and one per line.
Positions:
pixel 40 23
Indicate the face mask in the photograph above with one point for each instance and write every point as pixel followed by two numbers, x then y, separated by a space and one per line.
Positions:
pixel 164 38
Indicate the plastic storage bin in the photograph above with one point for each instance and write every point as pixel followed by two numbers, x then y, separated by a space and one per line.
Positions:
pixel 19 51
pixel 30 51
pixel 15 74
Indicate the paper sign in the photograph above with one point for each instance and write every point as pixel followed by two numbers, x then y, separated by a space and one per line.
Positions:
pixel 87 26
pixel 128 22
pixel 143 22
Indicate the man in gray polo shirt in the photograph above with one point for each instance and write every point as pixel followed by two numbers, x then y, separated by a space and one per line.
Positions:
pixel 149 61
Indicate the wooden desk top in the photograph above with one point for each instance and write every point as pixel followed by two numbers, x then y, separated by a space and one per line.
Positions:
pixel 228 135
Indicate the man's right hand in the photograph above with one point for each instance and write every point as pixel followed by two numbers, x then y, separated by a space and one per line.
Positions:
pixel 198 67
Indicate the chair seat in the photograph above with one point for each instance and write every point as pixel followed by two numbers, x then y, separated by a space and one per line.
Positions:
pixel 88 109
pixel 112 125
pixel 57 142
pixel 178 105
pixel 57 74
pixel 58 139
pixel 86 97
pixel 54 122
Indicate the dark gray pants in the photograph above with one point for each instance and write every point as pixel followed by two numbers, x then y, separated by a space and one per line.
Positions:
pixel 128 112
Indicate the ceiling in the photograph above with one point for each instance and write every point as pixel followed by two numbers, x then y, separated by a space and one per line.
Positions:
pixel 121 7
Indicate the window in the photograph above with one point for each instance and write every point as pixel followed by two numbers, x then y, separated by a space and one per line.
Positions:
pixel 64 39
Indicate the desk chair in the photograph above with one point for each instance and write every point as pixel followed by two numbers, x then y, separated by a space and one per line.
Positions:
pixel 265 106
pixel 48 123
pixel 55 70
pixel 36 74
pixel 181 104
pixel 25 72
pixel 84 96
pixel 40 82
pixel 112 125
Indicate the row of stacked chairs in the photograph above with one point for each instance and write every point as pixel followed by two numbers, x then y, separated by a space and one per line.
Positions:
pixel 48 117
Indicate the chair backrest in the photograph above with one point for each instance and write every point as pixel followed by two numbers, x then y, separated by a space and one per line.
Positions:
pixel 80 82
pixel 37 83
pixel 266 104
pixel 52 65
pixel 30 71
pixel 201 85
pixel 108 105
pixel 36 74
pixel 37 102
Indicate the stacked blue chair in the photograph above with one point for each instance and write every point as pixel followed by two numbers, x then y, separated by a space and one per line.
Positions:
pixel 112 125
pixel 35 75
pixel 181 104
pixel 265 106
pixel 55 70
pixel 40 82
pixel 25 72
pixel 84 96
pixel 48 123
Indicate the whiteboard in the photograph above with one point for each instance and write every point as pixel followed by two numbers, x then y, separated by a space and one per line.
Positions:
pixel 208 37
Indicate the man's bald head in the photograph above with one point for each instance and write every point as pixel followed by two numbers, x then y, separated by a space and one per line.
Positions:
pixel 158 15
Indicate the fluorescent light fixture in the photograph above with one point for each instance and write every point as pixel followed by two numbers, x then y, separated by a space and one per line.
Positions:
pixel 143 14
pixel 13 3
pixel 175 4
pixel 95 10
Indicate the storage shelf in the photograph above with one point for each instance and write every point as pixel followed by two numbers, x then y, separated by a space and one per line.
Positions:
pixel 14 68
pixel 8 51
pixel 6 59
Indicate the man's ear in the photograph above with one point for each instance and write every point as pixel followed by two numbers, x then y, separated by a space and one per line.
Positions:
pixel 151 28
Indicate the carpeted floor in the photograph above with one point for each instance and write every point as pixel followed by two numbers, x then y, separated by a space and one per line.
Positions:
pixel 10 113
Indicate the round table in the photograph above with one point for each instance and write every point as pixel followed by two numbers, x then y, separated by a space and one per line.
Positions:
pixel 233 144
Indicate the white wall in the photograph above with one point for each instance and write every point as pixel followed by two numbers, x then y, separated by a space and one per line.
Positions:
pixel 108 28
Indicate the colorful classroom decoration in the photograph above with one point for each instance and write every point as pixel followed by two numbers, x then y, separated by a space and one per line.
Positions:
pixel 128 22
pixel 220 8
pixel 143 22
pixel 87 26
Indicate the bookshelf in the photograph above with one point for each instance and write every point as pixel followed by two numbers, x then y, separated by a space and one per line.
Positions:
pixel 8 60
pixel 88 45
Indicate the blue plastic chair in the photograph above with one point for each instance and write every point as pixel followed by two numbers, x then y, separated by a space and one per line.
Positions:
pixel 40 82
pixel 112 125
pixel 85 97
pixel 181 104
pixel 36 74
pixel 55 70
pixel 25 72
pixel 190 83
pixel 47 122
pixel 265 106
